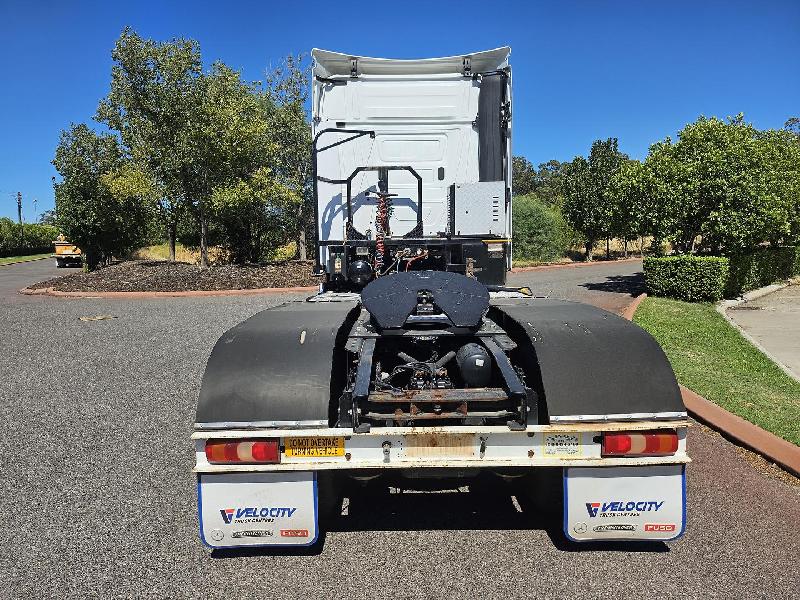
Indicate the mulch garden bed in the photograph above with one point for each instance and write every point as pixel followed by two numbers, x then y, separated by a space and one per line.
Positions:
pixel 164 276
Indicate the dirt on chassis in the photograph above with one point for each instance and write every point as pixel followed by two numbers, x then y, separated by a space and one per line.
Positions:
pixel 305 396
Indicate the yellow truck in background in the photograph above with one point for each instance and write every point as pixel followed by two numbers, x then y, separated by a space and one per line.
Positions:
pixel 66 253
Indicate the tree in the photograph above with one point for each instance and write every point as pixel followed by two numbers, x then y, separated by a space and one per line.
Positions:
pixel 255 207
pixel 523 176
pixel 290 131
pixel 588 206
pixel 549 182
pixel 48 217
pixel 153 103
pixel 637 205
pixel 96 210
pixel 730 187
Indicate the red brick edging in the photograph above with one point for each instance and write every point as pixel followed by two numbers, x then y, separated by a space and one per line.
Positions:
pixel 767 444
pixel 183 294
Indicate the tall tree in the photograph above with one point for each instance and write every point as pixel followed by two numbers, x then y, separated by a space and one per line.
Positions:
pixel 290 130
pixel 588 205
pixel 523 176
pixel 155 96
pixel 100 206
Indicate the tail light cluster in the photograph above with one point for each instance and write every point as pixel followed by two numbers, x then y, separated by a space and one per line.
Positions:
pixel 254 451
pixel 640 443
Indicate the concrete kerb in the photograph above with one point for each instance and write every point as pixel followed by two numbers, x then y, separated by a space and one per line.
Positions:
pixel 151 295
pixel 767 444
pixel 27 260
pixel 573 265
pixel 723 306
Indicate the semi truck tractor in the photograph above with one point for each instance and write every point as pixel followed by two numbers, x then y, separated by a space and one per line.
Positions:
pixel 416 360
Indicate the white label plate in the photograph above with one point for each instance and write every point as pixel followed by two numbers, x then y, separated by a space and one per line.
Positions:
pixel 257 509
pixel 625 503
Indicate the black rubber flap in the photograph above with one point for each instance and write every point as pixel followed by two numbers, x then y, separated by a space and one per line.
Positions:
pixel 278 365
pixel 593 362
pixel 490 136
pixel 392 298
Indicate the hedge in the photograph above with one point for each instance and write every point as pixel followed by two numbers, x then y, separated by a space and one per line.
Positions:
pixel 687 277
pixel 540 233
pixel 762 267
pixel 36 238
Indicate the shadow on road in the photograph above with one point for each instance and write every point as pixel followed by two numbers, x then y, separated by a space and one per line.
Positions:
pixel 632 285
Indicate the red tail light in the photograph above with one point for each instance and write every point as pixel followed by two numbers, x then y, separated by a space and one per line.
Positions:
pixel 640 443
pixel 243 451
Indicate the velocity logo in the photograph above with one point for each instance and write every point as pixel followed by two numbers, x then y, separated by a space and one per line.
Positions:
pixel 255 515
pixel 227 515
pixel 617 509
pixel 592 507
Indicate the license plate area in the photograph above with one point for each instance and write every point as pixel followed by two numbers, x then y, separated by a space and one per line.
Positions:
pixel 313 447
pixel 625 503
pixel 440 445
pixel 257 509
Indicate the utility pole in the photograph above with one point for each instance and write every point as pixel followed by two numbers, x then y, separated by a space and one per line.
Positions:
pixel 19 217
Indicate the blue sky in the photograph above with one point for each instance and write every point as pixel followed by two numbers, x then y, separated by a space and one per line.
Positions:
pixel 637 70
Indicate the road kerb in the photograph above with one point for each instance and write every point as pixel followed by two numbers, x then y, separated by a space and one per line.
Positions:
pixel 177 294
pixel 572 265
pixel 630 310
pixel 27 260
pixel 767 444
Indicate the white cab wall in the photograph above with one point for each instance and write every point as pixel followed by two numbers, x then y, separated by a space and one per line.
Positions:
pixel 422 112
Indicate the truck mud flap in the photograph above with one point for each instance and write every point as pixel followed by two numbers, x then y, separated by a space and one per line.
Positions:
pixel 257 509
pixel 625 503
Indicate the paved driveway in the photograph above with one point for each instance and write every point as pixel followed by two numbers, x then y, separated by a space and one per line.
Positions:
pixel 98 498
pixel 774 322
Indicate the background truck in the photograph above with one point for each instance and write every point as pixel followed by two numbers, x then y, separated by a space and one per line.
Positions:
pixel 415 361
pixel 66 253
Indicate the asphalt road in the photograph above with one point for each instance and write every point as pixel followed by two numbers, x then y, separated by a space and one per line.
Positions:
pixel 98 498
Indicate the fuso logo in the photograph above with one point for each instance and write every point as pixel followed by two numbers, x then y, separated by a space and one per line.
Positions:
pixel 294 532
pixel 659 527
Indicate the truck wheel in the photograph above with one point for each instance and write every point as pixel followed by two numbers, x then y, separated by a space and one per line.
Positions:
pixel 60 263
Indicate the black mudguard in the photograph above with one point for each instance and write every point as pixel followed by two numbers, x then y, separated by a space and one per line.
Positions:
pixel 280 365
pixel 584 361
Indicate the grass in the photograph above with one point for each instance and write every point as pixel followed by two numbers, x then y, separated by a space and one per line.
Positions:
pixel 191 255
pixel 10 260
pixel 711 358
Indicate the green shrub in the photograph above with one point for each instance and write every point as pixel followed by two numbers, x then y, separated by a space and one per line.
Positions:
pixel 686 277
pixel 540 233
pixel 36 238
pixel 762 267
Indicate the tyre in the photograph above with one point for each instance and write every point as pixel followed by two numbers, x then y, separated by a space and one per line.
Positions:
pixel 60 263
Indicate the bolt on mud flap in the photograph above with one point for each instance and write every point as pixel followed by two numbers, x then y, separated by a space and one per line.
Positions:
pixel 257 509
pixel 646 503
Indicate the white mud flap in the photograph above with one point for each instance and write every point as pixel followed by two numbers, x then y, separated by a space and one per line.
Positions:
pixel 625 503
pixel 257 509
